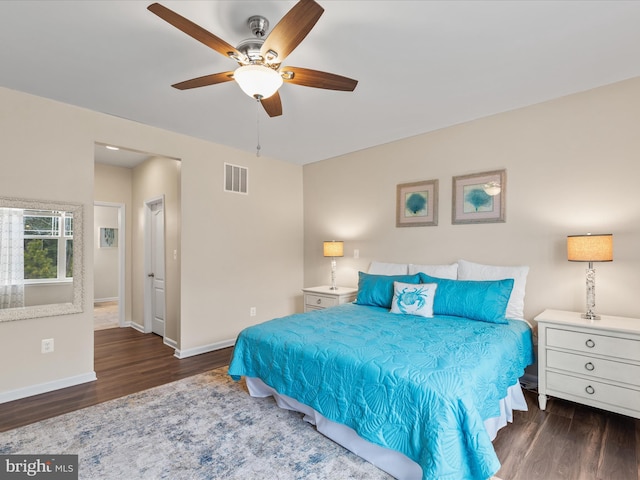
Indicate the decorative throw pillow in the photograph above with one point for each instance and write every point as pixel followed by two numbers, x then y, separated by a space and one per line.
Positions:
pixel 412 299
pixel 484 300
pixel 381 268
pixel 377 290
pixel 440 271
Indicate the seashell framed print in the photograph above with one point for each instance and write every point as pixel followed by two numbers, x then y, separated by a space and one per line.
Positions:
pixel 479 198
pixel 417 204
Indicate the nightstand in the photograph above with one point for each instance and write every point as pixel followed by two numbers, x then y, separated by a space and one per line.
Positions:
pixel 593 362
pixel 319 298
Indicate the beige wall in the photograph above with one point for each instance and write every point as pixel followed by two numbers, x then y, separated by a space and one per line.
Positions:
pixel 246 250
pixel 154 178
pixel 47 154
pixel 105 260
pixel 113 185
pixel 237 251
pixel 572 167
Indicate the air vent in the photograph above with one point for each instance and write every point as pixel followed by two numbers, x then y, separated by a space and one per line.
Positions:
pixel 236 179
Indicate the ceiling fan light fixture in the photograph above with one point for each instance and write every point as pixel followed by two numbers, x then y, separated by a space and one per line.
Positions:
pixel 492 188
pixel 258 81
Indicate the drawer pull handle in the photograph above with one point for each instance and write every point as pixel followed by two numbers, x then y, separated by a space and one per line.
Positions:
pixel 590 343
pixel 590 390
pixel 589 366
pixel 319 301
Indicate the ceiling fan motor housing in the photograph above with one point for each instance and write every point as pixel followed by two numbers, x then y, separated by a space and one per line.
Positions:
pixel 250 47
pixel 258 25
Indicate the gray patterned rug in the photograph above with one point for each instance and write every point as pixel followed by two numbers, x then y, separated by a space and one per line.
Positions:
pixel 201 427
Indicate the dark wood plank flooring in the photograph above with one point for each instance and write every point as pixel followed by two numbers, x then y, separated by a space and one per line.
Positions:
pixel 126 361
pixel 566 442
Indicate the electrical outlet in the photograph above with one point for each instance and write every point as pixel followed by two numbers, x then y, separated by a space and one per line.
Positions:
pixel 356 253
pixel 252 312
pixel 47 345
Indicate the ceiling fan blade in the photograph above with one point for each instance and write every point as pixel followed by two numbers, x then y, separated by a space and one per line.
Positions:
pixel 317 79
pixel 205 80
pixel 291 30
pixel 195 31
pixel 272 105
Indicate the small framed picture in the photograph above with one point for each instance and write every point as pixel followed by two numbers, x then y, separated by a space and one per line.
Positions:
pixel 417 204
pixel 479 198
pixel 108 237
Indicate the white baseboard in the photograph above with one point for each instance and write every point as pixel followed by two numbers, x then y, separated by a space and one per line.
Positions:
pixel 170 342
pixel 31 390
pixel 137 327
pixel 190 352
pixel 104 300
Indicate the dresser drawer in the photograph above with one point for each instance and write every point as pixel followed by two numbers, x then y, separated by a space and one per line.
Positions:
pixel 593 390
pixel 622 348
pixel 318 301
pixel 595 367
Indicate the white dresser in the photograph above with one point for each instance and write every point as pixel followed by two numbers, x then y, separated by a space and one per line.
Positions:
pixel 594 362
pixel 318 298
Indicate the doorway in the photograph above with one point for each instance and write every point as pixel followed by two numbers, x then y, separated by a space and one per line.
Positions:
pixel 109 265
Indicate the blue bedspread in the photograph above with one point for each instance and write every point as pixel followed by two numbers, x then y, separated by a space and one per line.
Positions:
pixel 422 386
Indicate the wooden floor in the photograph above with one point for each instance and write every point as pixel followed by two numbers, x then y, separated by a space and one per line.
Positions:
pixel 566 442
pixel 126 361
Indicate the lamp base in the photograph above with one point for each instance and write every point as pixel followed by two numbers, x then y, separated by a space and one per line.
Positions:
pixel 333 288
pixel 590 316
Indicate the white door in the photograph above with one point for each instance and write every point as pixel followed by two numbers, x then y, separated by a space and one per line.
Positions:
pixel 155 291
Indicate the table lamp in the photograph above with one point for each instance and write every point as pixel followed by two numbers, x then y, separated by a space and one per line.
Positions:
pixel 333 249
pixel 590 248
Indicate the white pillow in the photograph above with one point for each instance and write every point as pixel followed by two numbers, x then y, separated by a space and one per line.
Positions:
pixel 413 299
pixel 476 271
pixel 440 271
pixel 380 268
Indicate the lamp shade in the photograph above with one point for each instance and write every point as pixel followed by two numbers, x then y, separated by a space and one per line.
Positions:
pixel 258 81
pixel 590 248
pixel 333 249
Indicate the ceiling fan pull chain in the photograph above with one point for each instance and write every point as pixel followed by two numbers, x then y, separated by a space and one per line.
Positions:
pixel 258 126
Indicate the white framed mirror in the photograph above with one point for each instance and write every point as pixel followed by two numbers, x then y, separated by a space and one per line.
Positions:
pixel 41 264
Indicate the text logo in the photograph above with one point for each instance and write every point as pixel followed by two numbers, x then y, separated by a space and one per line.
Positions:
pixel 50 467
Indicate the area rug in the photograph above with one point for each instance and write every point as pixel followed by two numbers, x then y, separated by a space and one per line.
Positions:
pixel 201 427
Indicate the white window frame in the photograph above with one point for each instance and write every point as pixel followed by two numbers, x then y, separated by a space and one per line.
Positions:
pixel 62 245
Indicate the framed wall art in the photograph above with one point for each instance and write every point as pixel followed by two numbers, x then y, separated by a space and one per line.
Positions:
pixel 108 237
pixel 417 204
pixel 479 198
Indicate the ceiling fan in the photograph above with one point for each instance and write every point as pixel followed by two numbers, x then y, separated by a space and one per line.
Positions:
pixel 260 74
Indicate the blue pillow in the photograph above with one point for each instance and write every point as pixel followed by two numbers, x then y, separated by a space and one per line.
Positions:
pixel 484 300
pixel 377 290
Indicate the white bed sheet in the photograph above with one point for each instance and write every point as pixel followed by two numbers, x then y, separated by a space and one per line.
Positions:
pixel 393 462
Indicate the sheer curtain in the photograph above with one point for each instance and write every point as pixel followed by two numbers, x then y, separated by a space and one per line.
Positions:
pixel 11 258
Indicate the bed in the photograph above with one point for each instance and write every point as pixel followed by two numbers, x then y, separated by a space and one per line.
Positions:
pixel 420 394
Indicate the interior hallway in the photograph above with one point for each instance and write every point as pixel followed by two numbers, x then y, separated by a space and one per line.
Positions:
pixel 105 315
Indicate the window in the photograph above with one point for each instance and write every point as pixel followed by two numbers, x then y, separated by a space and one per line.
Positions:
pixel 48 245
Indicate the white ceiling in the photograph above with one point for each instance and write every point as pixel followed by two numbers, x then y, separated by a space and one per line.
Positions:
pixel 422 65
